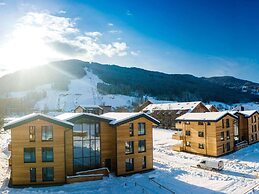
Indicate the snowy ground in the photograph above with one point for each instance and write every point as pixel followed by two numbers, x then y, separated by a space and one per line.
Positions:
pixel 172 170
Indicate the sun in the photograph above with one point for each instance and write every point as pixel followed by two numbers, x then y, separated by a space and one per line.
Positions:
pixel 26 47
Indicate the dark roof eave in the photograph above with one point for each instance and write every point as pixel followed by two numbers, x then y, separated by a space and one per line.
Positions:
pixel 137 117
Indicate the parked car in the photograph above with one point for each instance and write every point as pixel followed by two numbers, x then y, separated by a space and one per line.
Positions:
pixel 211 165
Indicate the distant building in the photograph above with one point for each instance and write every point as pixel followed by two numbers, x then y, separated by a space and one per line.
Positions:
pixel 144 105
pixel 106 108
pixel 94 109
pixel 210 133
pixel 166 113
pixel 211 108
pixel 53 150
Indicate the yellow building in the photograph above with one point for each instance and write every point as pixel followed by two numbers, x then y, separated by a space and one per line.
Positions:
pixel 210 133
pixel 48 150
pixel 41 150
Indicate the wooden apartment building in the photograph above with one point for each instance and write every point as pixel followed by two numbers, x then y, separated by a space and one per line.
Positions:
pixel 210 133
pixel 248 125
pixel 167 113
pixel 45 150
pixel 41 150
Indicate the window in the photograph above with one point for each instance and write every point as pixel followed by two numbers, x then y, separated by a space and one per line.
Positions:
pixel 187 123
pixel 201 145
pixel 223 148
pixel 252 128
pixel 200 123
pixel 32 133
pixel 255 119
pixel 255 128
pixel 144 162
pixel 29 155
pixel 47 155
pixel 228 146
pixel 86 145
pixel 223 123
pixel 141 129
pixel 222 136
pixel 187 133
pixel 141 146
pixel 201 134
pixel 129 147
pixel 188 144
pixel 47 133
pixel 208 123
pixel 48 174
pixel 32 174
pixel 227 123
pixel 252 119
pixel 228 136
pixel 129 164
pixel 252 137
pixel 131 129
pixel 256 136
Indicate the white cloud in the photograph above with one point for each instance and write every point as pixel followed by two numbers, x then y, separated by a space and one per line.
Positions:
pixel 110 24
pixel 2 3
pixel 62 12
pixel 41 37
pixel 115 31
pixel 134 53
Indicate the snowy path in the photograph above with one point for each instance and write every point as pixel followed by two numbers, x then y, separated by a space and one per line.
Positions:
pixel 173 170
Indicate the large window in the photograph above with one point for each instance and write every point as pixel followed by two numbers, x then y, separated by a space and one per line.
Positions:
pixel 188 144
pixel 86 146
pixel 48 174
pixel 141 146
pixel 32 133
pixel 222 136
pixel 188 133
pixel 131 129
pixel 32 174
pixel 141 128
pixel 47 133
pixel 129 147
pixel 228 147
pixel 47 154
pixel 129 164
pixel 201 145
pixel 228 135
pixel 223 123
pixel 29 155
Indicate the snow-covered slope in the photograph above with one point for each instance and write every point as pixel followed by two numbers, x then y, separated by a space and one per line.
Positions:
pixel 80 91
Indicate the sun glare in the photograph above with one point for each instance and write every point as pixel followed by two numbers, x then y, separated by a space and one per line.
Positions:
pixel 27 48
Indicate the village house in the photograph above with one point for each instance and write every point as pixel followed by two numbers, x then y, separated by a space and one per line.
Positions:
pixel 166 113
pixel 210 133
pixel 211 108
pixel 94 109
pixel 47 150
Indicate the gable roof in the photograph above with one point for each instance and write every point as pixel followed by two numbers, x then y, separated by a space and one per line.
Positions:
pixel 246 113
pixel 34 116
pixel 207 116
pixel 89 106
pixel 119 118
pixel 74 116
pixel 172 106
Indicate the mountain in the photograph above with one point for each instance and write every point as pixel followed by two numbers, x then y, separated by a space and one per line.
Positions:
pixel 64 84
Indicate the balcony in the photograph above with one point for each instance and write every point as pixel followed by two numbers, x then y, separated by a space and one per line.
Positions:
pixel 178 135
pixel 9 147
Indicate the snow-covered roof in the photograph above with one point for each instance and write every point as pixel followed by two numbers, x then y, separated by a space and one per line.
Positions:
pixel 206 116
pixel 246 113
pixel 89 106
pixel 120 117
pixel 69 116
pixel 33 116
pixel 172 106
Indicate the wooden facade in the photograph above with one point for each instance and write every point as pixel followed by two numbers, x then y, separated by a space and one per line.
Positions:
pixel 61 144
pixel 248 125
pixel 211 138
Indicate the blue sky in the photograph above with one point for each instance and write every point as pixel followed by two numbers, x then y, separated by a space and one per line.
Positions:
pixel 199 37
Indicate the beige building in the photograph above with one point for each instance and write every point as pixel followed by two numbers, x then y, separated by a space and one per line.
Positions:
pixel 210 133
pixel 167 113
